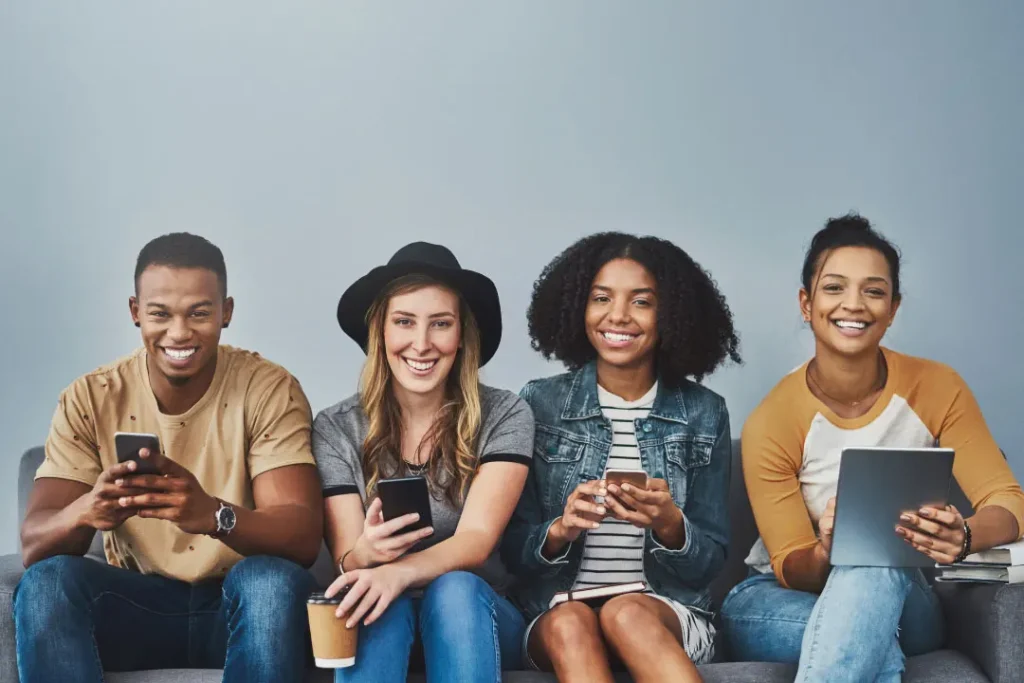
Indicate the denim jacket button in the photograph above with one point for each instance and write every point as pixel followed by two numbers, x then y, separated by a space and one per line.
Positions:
pixel 647 426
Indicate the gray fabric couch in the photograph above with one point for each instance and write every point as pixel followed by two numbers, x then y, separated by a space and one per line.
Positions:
pixel 985 623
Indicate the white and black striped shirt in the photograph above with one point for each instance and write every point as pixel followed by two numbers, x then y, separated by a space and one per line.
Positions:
pixel 614 552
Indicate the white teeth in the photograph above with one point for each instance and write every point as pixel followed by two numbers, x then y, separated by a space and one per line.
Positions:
pixel 612 336
pixel 851 324
pixel 180 354
pixel 418 365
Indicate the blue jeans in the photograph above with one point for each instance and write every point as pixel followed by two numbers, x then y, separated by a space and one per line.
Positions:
pixel 859 628
pixel 468 632
pixel 75 617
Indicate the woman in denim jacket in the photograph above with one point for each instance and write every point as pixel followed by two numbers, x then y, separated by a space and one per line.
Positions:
pixel 633 318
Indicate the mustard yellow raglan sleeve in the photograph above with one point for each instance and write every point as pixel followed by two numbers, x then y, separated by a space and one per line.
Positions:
pixel 979 465
pixel 772 454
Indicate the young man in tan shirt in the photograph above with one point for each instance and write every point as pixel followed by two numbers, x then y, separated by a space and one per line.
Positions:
pixel 205 559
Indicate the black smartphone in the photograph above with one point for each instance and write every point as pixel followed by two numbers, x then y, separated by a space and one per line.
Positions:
pixel 403 495
pixel 128 445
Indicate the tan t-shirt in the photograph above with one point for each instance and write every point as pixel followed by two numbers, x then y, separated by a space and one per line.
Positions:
pixel 253 418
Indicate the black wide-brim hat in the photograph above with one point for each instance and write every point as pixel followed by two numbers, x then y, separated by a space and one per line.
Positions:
pixel 436 261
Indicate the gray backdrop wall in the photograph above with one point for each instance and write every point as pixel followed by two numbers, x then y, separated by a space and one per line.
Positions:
pixel 310 140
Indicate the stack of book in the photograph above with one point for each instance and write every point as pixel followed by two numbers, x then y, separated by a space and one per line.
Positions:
pixel 1002 564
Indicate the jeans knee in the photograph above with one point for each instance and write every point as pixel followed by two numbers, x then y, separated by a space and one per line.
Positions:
pixel 878 581
pixel 45 588
pixel 455 592
pixel 268 584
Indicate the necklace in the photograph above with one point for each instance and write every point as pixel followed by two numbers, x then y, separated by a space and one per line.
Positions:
pixel 417 468
pixel 883 375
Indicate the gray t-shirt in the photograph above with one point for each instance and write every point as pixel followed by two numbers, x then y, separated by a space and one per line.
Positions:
pixel 506 434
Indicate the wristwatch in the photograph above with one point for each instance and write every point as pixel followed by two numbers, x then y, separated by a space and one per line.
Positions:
pixel 225 517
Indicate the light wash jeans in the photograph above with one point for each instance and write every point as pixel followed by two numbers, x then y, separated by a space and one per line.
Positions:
pixel 859 628
pixel 469 634
pixel 75 617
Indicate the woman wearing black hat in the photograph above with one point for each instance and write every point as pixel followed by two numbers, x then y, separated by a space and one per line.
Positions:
pixel 426 325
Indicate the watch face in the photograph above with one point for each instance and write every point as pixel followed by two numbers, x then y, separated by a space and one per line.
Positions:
pixel 226 518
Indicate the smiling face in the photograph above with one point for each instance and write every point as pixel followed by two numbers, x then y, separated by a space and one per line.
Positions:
pixel 422 333
pixel 851 305
pixel 622 314
pixel 180 312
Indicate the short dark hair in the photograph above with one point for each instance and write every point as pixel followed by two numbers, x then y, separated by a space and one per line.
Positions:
pixel 851 230
pixel 695 326
pixel 183 250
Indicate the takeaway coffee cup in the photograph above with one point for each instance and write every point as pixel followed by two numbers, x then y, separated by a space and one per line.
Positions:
pixel 334 645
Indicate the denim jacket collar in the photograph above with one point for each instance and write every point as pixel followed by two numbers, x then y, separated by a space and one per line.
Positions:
pixel 582 401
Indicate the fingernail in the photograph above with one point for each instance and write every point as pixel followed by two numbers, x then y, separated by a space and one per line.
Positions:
pixel 627 487
pixel 602 492
pixel 901 531
pixel 119 482
pixel 600 510
pixel 131 465
pixel 925 512
pixel 122 502
pixel 905 518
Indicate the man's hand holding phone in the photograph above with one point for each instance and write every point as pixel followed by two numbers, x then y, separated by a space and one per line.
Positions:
pixel 383 542
pixel 174 495
pixel 101 506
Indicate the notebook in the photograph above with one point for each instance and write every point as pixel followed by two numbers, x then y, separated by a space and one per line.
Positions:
pixel 598 592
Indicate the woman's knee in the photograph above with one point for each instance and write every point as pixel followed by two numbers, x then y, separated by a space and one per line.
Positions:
pixel 628 618
pixel 569 626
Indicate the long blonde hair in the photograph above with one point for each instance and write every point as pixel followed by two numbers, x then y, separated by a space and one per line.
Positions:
pixel 453 435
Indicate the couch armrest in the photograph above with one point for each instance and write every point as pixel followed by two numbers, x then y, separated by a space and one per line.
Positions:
pixel 11 570
pixel 986 623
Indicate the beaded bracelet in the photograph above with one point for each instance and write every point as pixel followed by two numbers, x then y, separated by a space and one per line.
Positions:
pixel 967 544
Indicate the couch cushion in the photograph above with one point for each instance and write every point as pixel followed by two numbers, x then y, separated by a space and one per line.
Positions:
pixel 944 666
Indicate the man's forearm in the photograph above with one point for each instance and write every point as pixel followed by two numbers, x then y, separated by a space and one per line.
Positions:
pixel 47 533
pixel 293 532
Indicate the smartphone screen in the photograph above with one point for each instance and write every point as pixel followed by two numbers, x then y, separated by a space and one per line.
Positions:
pixel 128 445
pixel 636 478
pixel 403 495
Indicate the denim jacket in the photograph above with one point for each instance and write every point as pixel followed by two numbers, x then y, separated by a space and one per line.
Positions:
pixel 685 440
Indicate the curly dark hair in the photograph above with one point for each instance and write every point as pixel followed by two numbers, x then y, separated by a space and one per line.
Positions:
pixel 695 328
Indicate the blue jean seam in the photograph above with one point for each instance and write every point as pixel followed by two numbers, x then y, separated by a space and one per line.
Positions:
pixel 146 609
pixel 492 610
pixel 785 620
pixel 818 618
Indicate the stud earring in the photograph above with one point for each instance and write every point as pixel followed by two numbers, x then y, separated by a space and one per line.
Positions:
pixel 138 325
